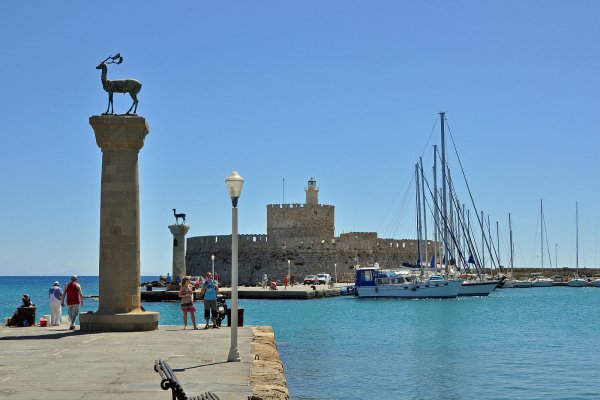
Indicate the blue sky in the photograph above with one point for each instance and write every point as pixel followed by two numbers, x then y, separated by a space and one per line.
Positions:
pixel 345 91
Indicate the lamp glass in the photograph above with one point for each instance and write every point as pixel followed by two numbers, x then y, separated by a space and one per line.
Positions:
pixel 234 184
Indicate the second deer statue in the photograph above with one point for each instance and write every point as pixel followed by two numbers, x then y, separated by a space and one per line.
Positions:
pixel 177 216
pixel 130 86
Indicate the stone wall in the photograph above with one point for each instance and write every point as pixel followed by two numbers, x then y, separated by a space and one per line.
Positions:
pixel 259 254
pixel 300 222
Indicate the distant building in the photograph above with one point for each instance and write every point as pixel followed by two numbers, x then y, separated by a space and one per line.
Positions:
pixel 303 234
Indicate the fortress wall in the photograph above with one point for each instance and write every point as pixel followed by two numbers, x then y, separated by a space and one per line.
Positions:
pixel 300 222
pixel 258 255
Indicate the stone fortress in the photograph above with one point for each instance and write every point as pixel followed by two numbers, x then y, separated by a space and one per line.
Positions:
pixel 304 235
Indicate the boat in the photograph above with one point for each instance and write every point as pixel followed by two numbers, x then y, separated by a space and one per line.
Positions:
pixel 375 283
pixel 538 279
pixel 577 281
pixel 511 282
pixel 595 282
pixel 478 288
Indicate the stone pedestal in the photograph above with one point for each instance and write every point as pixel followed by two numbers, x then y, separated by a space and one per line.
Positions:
pixel 120 138
pixel 179 232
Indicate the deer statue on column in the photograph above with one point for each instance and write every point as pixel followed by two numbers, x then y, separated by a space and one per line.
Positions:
pixel 177 216
pixel 130 86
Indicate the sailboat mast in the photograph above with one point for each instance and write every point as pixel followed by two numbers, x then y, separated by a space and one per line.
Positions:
pixel 444 195
pixel 577 237
pixel 498 245
pixel 451 225
pixel 511 246
pixel 424 208
pixel 482 244
pixel 490 237
pixel 436 217
pixel 542 232
pixel 418 203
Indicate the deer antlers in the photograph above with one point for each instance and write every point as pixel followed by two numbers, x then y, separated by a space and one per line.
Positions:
pixel 116 59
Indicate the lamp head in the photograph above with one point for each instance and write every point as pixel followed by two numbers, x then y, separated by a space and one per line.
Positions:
pixel 234 184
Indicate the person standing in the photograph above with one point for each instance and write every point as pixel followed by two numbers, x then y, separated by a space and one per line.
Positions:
pixel 55 298
pixel 74 297
pixel 187 301
pixel 209 290
pixel 285 282
pixel 168 278
pixel 265 281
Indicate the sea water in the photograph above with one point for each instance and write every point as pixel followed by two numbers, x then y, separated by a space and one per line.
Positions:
pixel 536 343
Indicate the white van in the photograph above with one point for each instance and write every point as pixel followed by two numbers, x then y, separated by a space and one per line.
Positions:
pixel 324 279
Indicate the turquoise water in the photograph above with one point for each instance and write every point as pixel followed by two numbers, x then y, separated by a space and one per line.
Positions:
pixel 538 343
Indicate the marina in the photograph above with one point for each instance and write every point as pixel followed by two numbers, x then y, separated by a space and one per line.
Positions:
pixel 314 338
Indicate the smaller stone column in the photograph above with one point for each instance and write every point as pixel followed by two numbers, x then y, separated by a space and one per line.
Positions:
pixel 179 232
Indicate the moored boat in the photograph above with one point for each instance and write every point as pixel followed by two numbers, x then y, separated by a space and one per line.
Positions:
pixel 541 281
pixel 577 282
pixel 372 282
pixel 522 284
pixel 477 288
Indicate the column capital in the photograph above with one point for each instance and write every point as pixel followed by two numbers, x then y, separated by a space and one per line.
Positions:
pixel 179 229
pixel 119 132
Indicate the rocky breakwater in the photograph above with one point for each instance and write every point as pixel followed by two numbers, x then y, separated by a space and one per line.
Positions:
pixel 267 377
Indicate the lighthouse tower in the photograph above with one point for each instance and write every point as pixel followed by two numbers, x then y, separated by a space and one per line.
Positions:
pixel 312 192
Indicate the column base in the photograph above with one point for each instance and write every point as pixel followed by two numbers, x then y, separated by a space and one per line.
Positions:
pixel 135 321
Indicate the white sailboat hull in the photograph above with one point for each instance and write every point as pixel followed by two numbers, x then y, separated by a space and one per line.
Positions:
pixel 477 288
pixel 595 283
pixel 578 282
pixel 442 289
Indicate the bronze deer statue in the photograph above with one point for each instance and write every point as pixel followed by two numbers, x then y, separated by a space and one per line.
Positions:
pixel 130 86
pixel 177 216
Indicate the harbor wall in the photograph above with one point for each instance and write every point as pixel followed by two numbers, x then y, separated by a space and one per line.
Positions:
pixel 259 254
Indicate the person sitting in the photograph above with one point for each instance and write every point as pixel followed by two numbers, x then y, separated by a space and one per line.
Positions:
pixel 25 302
pixel 274 284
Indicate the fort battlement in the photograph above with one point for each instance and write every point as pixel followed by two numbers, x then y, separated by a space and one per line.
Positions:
pixel 298 205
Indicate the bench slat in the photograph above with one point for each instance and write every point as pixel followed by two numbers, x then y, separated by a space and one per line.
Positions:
pixel 170 381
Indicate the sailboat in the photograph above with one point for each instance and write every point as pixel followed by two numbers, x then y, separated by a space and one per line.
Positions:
pixel 540 280
pixel 577 281
pixel 511 282
pixel 373 282
pixel 452 229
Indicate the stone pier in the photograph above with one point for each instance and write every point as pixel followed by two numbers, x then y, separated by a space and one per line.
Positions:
pixel 120 138
pixel 179 232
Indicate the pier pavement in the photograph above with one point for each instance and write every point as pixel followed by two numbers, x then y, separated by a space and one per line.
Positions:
pixel 55 363
pixel 296 292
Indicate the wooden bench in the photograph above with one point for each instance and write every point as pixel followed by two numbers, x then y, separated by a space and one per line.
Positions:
pixel 170 381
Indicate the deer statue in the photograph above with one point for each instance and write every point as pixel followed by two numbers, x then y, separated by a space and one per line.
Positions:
pixel 130 86
pixel 177 216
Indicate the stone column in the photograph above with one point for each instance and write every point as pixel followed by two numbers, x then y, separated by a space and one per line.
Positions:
pixel 120 138
pixel 179 232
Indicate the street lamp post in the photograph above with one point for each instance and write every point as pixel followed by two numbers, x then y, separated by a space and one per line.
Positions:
pixel 212 258
pixel 234 184
pixel 289 276
pixel 335 271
